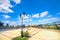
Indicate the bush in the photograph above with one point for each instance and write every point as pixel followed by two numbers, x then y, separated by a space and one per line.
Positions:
pixel 19 38
pixel 53 27
pixel 46 27
pixel 24 38
pixel 26 34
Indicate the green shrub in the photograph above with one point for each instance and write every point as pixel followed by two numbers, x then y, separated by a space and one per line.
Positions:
pixel 24 38
pixel 53 27
pixel 19 38
pixel 46 27
pixel 26 34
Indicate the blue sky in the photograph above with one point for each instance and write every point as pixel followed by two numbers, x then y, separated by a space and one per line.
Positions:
pixel 36 11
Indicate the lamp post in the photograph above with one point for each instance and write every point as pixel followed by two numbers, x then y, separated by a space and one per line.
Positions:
pixel 22 16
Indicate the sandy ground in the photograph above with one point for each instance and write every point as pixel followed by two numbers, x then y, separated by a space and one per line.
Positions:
pixel 36 34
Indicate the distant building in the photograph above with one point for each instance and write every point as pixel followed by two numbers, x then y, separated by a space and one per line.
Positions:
pixel 58 25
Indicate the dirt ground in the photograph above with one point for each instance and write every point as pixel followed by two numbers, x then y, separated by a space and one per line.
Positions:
pixel 35 33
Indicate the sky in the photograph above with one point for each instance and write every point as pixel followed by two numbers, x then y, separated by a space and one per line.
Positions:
pixel 36 11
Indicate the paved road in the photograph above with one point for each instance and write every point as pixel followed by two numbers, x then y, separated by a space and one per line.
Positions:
pixel 36 34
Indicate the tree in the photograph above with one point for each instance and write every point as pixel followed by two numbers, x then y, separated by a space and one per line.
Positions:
pixel 56 26
pixel 1 24
pixel 7 25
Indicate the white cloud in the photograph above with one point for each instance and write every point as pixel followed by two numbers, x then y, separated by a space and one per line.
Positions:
pixel 29 16
pixel 44 20
pixel 35 16
pixel 50 16
pixel 6 21
pixel 27 20
pixel 26 17
pixel 30 20
pixel 6 16
pixel 17 1
pixel 5 5
pixel 24 21
pixel 12 23
pixel 54 19
pixel 48 20
pixel 43 14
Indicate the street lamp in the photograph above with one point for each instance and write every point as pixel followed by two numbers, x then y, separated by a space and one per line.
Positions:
pixel 22 16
